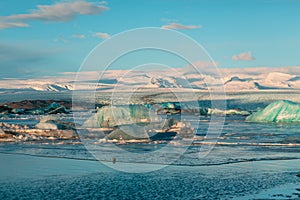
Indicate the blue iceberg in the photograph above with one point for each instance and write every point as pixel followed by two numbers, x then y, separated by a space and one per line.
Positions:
pixel 283 111
pixel 112 116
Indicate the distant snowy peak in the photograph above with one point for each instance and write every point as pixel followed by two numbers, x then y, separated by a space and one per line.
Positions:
pixel 237 79
pixel 232 79
pixel 59 87
pixel 167 82
pixel 52 87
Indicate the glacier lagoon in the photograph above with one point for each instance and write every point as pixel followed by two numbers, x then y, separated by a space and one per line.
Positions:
pixel 250 160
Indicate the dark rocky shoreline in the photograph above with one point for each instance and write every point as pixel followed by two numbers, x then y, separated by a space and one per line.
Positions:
pixel 36 107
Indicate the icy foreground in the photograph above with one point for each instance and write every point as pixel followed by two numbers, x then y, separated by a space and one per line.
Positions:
pixel 89 180
pixel 278 111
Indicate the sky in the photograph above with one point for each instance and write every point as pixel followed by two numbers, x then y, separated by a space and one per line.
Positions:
pixel 48 37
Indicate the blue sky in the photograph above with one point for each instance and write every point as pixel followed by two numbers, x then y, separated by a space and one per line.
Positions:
pixel 54 39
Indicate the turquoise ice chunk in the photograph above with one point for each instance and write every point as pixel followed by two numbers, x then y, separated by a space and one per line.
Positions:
pixel 283 111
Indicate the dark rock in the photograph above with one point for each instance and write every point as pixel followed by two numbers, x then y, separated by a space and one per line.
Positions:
pixel 122 134
pixel 36 107
pixel 162 136
pixel 35 104
pixel 5 109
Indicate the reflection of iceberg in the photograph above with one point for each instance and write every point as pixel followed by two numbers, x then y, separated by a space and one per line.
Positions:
pixel 279 111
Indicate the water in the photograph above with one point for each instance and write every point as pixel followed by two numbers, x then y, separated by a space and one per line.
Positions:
pixel 249 161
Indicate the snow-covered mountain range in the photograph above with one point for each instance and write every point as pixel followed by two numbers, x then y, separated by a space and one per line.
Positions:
pixel 233 79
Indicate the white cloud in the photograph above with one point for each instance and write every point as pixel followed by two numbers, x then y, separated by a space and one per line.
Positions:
pixel 4 25
pixel 180 26
pixel 101 35
pixel 79 36
pixel 246 56
pixel 61 39
pixel 60 12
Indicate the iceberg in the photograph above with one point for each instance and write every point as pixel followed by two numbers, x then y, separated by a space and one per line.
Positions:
pixel 46 126
pixel 112 116
pixel 226 112
pixel 128 133
pixel 55 108
pixel 282 111
pixel 49 122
